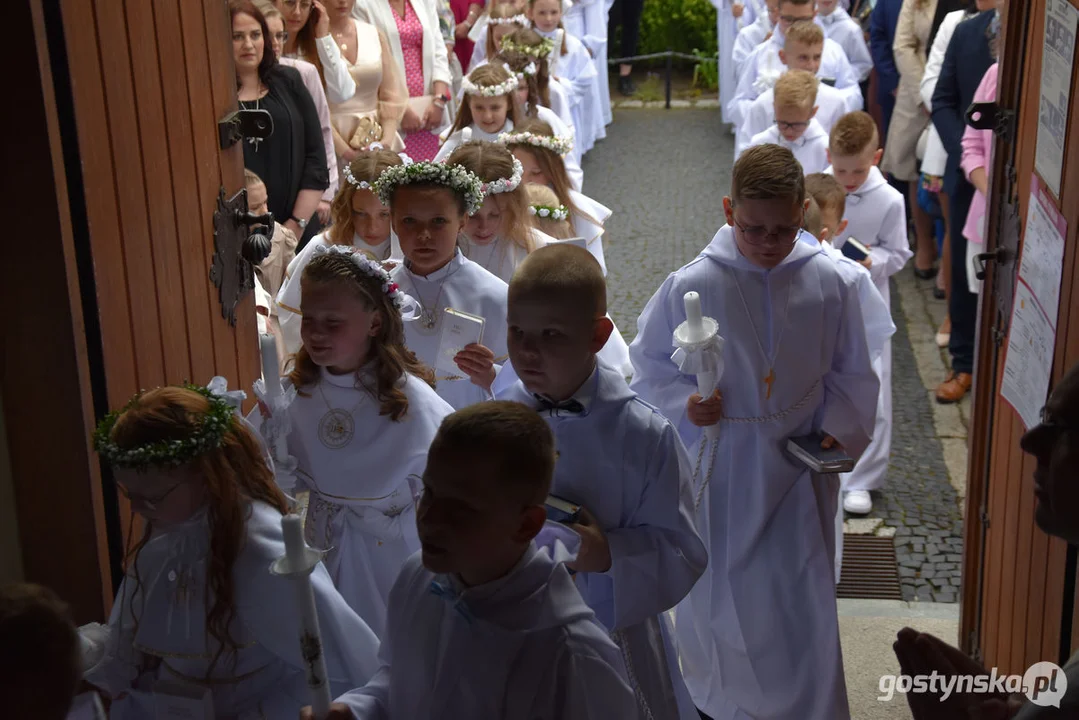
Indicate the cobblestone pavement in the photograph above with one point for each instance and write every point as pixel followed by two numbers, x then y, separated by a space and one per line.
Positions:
pixel 664 174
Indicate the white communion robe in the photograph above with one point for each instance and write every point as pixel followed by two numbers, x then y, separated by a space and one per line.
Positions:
pixel 749 37
pixel 840 27
pixel 523 646
pixel 810 150
pixel 356 467
pixel 288 297
pixel 876 216
pixel 268 679
pixel 759 633
pixel 761 113
pixel 587 19
pixel 591 228
pixel 454 140
pixel 500 257
pixel 462 285
pixel 623 461
pixel 577 75
pixel 726 33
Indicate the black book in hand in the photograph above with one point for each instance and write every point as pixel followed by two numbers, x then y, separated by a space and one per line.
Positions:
pixel 855 250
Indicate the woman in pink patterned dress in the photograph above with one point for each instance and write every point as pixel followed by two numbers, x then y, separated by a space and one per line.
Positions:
pixel 412 30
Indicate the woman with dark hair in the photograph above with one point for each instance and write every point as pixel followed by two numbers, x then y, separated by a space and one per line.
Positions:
pixel 292 161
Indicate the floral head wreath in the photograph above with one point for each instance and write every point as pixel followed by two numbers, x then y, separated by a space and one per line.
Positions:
pixel 454 177
pixel 503 88
pixel 539 50
pixel 505 185
pixel 521 20
pixel 549 213
pixel 528 71
pixel 405 304
pixel 208 434
pixel 561 144
pixel 363 184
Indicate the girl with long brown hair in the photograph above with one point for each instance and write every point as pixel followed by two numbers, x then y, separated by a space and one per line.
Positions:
pixel 551 94
pixel 501 20
pixel 364 416
pixel 500 235
pixel 358 219
pixel 489 108
pixel 198 603
pixel 540 153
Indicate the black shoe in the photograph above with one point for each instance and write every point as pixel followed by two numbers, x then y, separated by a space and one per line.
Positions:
pixel 925 274
pixel 626 86
pixel 939 294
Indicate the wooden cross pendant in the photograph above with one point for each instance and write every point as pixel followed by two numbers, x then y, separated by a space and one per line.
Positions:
pixel 768 380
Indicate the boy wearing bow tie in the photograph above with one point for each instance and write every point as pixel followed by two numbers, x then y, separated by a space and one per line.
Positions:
pixel 485 622
pixel 619 459
pixel 875 216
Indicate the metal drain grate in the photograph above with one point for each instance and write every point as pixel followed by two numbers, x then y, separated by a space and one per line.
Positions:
pixel 870 570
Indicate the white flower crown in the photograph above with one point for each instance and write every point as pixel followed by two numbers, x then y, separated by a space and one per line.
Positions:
pixel 561 144
pixel 504 88
pixel 504 185
pixel 529 70
pixel 548 212
pixel 454 177
pixel 363 184
pixel 521 20
pixel 404 303
pixel 538 51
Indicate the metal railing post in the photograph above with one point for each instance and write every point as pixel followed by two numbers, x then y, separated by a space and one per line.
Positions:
pixel 670 68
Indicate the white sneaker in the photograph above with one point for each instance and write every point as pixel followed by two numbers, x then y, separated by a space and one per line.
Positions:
pixel 858 502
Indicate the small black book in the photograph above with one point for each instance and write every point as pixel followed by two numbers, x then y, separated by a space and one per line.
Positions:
pixel 807 450
pixel 854 249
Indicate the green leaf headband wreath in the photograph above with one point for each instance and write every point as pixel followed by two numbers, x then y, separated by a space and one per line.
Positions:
pixel 560 144
pixel 538 51
pixel 209 434
pixel 454 177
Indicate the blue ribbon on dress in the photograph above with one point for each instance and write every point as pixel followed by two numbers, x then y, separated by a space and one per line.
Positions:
pixel 451 596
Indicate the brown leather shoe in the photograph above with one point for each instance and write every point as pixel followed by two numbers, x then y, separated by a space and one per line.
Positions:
pixel 954 388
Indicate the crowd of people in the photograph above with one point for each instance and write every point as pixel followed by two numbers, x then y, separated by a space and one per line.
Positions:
pixel 521 516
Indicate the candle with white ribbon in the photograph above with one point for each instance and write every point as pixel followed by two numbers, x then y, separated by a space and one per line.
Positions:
pixel 271 375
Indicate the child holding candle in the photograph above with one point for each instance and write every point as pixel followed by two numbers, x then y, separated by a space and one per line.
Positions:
pixel 364 415
pixel 198 603
pixel 486 623
pixel 359 220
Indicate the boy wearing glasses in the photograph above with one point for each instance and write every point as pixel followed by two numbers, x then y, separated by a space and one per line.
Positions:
pixel 758 634
pixel 876 218
pixel 796 127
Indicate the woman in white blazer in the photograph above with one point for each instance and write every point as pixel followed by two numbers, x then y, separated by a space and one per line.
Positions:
pixel 427 73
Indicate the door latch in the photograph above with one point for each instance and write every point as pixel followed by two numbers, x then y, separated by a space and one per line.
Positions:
pixel 1000 255
pixel 990 116
pixel 244 123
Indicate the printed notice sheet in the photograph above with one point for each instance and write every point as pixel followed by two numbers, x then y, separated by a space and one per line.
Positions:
pixel 1057 57
pixel 1032 332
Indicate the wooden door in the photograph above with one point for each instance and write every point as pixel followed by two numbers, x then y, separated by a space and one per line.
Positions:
pixel 1019 596
pixel 124 100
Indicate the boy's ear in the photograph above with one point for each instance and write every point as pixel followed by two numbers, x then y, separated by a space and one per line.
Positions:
pixel 783 56
pixel 840 228
pixel 814 113
pixel 601 332
pixel 728 210
pixel 877 156
pixel 532 519
pixel 828 154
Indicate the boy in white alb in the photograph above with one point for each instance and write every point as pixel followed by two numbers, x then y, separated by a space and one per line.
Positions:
pixel 619 460
pixel 840 27
pixel 485 622
pixel 759 633
pixel 752 35
pixel 875 217
pixel 764 66
pixel 801 51
pixel 795 126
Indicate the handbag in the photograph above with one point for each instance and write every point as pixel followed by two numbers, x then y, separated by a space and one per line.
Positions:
pixel 368 131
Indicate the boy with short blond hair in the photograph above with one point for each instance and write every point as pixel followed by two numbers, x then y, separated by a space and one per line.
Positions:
pixel 876 217
pixel 802 50
pixel 796 127
pixel 485 621
pixel 619 459
pixel 759 633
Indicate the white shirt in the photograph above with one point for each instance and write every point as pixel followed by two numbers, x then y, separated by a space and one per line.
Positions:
pixel 747 41
pixel 591 228
pixel 811 150
pixel 935 161
pixel 462 285
pixel 840 27
pixel 356 463
pixel 831 105
pixel 456 139
pixel 500 257
pixel 759 632
pixel 522 646
pixel 876 217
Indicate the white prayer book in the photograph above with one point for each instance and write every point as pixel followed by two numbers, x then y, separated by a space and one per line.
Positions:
pixel 578 241
pixel 458 330
pixel 179 701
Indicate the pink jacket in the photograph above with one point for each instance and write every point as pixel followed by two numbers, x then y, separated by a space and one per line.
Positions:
pixel 978 153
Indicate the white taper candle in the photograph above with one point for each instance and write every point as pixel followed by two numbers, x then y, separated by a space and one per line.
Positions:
pixel 693 313
pixel 271 375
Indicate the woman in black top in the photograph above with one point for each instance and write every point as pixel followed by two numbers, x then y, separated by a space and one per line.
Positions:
pixel 292 161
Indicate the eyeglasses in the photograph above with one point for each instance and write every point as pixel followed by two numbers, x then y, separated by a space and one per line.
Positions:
pixel 281 37
pixel 759 235
pixel 782 125
pixel 305 5
pixel 146 502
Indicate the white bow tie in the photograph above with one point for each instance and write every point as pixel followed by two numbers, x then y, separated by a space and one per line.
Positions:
pixel 828 19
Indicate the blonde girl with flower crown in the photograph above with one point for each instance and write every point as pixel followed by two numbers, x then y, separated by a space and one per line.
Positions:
pixel 430 204
pixel 199 603
pixel 500 21
pixel 501 234
pixel 363 418
pixel 540 153
pixel 552 94
pixel 358 220
pixel 489 109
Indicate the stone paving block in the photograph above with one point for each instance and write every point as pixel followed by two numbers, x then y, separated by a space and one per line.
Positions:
pixel 861 526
